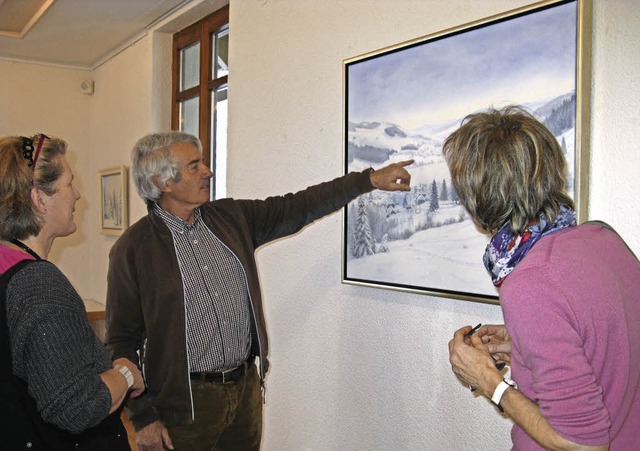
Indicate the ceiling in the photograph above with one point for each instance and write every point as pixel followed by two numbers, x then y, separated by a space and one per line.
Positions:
pixel 75 33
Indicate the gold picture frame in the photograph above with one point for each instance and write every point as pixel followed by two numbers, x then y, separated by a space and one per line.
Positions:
pixel 113 187
pixel 401 102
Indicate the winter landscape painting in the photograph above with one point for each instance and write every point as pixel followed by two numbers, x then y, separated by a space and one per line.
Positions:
pixel 114 203
pixel 402 102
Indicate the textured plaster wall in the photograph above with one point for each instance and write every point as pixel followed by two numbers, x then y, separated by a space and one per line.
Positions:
pixel 615 106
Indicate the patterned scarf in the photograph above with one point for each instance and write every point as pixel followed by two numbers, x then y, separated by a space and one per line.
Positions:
pixel 505 250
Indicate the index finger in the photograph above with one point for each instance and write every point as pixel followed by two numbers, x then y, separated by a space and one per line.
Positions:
pixel 459 338
pixel 462 333
pixel 405 162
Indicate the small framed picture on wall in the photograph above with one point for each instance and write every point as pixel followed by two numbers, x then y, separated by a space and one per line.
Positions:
pixel 114 200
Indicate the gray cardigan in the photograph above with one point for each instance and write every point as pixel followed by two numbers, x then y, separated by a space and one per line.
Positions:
pixel 55 350
pixel 145 298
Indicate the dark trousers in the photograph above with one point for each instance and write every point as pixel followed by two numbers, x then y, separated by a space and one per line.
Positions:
pixel 227 416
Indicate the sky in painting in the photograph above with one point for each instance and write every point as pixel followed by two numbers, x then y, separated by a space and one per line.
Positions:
pixel 517 60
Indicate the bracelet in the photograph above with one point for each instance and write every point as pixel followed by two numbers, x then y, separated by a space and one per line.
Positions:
pixel 126 373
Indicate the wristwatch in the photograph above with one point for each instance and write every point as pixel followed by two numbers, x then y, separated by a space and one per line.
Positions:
pixel 126 373
pixel 500 389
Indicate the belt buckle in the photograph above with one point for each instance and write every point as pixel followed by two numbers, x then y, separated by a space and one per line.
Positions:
pixel 227 376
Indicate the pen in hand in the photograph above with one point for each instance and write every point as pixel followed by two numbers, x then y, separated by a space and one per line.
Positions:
pixel 499 365
pixel 472 331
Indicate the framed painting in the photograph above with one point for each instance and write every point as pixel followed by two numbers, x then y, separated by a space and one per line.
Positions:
pixel 114 200
pixel 402 102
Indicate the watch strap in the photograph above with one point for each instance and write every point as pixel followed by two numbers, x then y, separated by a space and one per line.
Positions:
pixel 499 391
pixel 126 372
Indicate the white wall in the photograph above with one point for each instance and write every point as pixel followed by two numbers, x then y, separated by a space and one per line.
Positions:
pixel 120 114
pixel 615 106
pixel 352 367
pixel 36 98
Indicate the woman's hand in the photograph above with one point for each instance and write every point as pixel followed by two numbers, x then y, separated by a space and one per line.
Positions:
pixel 471 362
pixel 497 340
pixel 138 386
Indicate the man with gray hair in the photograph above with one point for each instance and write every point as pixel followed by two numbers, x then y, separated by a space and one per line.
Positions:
pixel 183 293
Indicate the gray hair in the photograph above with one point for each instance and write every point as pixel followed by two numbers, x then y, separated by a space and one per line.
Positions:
pixel 151 159
pixel 507 166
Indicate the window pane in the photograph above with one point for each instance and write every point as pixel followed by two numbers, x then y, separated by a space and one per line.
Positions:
pixel 219 109
pixel 189 116
pixel 220 53
pixel 190 66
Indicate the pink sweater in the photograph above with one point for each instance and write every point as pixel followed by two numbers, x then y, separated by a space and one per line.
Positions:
pixel 572 308
pixel 10 257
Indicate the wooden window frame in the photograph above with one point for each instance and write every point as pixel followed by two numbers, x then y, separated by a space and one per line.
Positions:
pixel 201 32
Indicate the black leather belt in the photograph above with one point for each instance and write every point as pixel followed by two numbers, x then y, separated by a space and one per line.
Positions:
pixel 223 377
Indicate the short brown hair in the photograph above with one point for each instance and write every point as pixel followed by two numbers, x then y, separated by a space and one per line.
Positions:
pixel 18 219
pixel 506 166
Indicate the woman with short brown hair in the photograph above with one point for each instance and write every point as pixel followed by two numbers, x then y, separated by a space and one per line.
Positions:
pixel 570 294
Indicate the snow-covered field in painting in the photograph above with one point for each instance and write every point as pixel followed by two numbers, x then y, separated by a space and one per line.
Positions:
pixel 443 258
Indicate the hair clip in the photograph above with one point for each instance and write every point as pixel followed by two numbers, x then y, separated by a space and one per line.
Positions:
pixel 27 149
